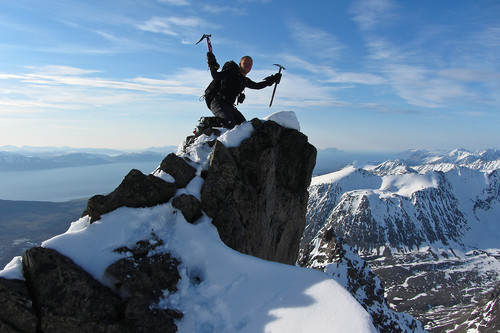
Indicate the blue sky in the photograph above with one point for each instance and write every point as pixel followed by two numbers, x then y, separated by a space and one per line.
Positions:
pixel 367 75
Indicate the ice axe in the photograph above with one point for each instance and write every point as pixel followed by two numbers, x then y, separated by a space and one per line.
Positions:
pixel 208 41
pixel 276 84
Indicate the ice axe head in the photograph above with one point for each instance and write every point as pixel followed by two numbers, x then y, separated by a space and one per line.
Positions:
pixel 208 41
pixel 281 67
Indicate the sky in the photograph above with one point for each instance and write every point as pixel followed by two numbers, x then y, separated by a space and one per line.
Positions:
pixel 365 75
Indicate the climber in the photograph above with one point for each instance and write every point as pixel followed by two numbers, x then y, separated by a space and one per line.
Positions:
pixel 228 85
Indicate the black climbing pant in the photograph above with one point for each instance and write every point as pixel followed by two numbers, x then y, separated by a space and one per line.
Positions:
pixel 228 112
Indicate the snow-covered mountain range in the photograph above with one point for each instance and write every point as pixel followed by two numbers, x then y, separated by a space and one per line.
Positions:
pixel 429 227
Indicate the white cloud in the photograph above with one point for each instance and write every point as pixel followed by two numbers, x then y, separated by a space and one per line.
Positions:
pixel 423 87
pixel 471 75
pixel 212 9
pixel 173 25
pixel 315 41
pixel 71 88
pixel 369 14
pixel 328 74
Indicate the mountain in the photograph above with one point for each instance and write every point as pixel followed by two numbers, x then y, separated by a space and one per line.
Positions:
pixel 422 160
pixel 429 231
pixel 30 158
pixel 199 245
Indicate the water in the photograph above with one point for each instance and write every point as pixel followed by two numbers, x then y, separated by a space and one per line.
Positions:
pixel 66 183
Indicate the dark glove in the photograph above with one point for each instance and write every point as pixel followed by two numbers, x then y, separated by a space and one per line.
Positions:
pixel 241 98
pixel 272 79
pixel 212 62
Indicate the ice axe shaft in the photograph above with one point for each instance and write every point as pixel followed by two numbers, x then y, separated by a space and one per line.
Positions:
pixel 276 84
pixel 209 44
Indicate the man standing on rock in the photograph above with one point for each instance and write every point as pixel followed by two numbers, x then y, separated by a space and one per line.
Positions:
pixel 228 85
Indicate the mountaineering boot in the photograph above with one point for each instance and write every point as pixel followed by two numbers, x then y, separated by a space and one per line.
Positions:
pixel 206 123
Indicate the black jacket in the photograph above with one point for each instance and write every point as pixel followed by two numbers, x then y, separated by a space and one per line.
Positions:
pixel 232 82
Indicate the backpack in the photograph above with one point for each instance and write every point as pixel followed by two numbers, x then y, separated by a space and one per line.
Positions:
pixel 211 91
pixel 214 86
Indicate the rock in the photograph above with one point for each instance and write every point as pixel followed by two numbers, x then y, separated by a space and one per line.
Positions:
pixel 147 276
pixel 257 193
pixel 330 254
pixel 178 168
pixel 16 313
pixel 67 298
pixel 189 206
pixel 136 190
pixel 142 281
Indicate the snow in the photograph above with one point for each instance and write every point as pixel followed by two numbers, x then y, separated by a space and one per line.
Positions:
pixel 405 185
pixel 220 289
pixel 333 177
pixel 285 119
pixel 237 293
pixel 234 137
pixel 13 270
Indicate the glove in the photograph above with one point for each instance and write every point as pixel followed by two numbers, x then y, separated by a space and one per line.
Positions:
pixel 275 78
pixel 212 62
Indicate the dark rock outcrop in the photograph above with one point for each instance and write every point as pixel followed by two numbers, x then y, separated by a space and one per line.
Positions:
pixel 138 190
pixel 257 193
pixel 65 297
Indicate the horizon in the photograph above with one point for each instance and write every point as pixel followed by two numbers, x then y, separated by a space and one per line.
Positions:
pixel 367 75
pixel 13 148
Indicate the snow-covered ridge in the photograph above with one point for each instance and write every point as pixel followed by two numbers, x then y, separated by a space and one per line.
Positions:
pixel 233 292
pixel 422 160
pixel 393 189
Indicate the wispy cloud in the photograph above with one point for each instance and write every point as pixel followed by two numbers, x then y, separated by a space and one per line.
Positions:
pixel 433 67
pixel 315 41
pixel 369 14
pixel 212 9
pixel 471 75
pixel 328 74
pixel 176 2
pixel 173 25
pixel 62 87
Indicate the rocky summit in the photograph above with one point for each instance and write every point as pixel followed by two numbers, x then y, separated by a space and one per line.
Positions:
pixel 255 193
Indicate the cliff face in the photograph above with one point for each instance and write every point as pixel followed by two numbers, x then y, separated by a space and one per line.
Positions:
pixel 255 193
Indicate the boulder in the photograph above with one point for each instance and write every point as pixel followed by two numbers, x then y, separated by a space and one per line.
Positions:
pixel 136 190
pixel 67 298
pixel 189 206
pixel 178 168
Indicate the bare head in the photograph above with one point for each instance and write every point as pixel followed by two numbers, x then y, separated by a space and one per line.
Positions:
pixel 246 65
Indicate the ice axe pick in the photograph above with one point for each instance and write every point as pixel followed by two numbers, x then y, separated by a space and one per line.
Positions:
pixel 209 44
pixel 276 84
